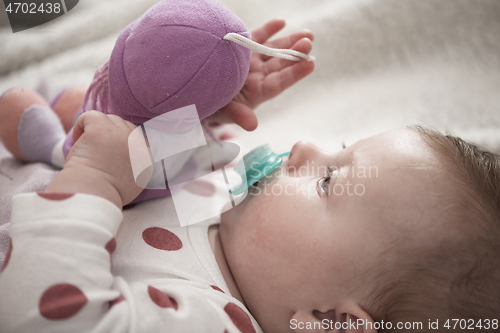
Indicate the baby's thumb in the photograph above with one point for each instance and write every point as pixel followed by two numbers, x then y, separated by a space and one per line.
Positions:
pixel 238 113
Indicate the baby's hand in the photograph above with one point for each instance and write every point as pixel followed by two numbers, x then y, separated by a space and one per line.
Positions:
pixel 268 76
pixel 99 162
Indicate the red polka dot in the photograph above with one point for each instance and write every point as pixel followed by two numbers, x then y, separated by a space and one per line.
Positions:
pixel 161 239
pixel 116 301
pixel 61 301
pixel 226 136
pixel 55 196
pixel 161 299
pixel 217 288
pixel 7 256
pixel 201 188
pixel 111 245
pixel 239 318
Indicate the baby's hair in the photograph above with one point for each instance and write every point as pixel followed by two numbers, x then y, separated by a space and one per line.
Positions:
pixel 460 277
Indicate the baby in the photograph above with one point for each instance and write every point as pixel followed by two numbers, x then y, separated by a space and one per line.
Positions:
pixel 414 243
pixel 417 244
pixel 397 232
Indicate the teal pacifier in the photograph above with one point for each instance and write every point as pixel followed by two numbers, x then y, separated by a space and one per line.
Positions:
pixel 255 165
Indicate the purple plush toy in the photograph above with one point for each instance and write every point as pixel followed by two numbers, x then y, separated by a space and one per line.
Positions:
pixel 177 54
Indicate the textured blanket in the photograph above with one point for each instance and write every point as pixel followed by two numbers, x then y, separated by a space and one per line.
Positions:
pixel 381 64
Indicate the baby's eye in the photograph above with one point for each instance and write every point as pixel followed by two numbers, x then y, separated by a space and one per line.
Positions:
pixel 324 185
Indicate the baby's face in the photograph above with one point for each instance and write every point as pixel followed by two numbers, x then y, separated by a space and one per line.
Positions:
pixel 298 242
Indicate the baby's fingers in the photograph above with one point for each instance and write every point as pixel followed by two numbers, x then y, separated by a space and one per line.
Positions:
pixel 277 64
pixel 262 34
pixel 86 119
pixel 288 41
pixel 101 119
pixel 286 74
pixel 236 113
pixel 118 121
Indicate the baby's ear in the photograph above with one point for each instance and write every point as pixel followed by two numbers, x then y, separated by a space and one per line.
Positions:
pixel 347 319
pixel 312 321
pixel 355 320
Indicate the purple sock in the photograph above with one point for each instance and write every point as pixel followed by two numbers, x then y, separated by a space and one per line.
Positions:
pixel 39 131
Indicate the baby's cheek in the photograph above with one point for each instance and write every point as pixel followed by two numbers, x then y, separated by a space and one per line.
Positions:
pixel 265 223
pixel 255 234
pixel 274 210
pixel 252 235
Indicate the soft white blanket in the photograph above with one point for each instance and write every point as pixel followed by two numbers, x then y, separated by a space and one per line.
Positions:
pixel 381 64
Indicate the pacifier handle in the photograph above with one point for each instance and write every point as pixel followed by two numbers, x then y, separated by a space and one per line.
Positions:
pixel 286 154
pixel 255 165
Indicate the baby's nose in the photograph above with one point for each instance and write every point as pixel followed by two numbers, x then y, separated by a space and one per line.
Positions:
pixel 302 152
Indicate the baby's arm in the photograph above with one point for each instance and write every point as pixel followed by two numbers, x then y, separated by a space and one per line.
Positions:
pixel 57 276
